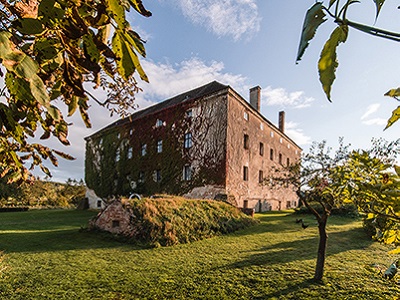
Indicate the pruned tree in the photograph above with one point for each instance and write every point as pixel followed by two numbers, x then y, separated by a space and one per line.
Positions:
pixel 337 11
pixel 311 179
pixel 49 51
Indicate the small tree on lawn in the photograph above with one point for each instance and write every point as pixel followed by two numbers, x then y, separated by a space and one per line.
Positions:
pixel 311 178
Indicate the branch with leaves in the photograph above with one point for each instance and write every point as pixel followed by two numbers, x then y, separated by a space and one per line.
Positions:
pixel 327 64
pixel 49 50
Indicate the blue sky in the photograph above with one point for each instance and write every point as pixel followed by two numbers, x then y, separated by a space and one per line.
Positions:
pixel 245 43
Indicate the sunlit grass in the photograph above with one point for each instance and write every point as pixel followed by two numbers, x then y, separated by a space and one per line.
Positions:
pixel 46 256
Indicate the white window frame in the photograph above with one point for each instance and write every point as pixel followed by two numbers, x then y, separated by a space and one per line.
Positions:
pixel 188 140
pixel 159 146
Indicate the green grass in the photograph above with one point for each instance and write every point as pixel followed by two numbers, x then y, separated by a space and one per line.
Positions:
pixel 47 257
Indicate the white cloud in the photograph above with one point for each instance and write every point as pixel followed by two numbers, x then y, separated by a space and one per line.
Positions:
pixel 375 121
pixel 370 110
pixel 166 80
pixel 281 97
pixel 234 18
pixel 295 133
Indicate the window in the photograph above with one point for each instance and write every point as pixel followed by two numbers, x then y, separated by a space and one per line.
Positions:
pixel 261 126
pixel 159 146
pixel 246 141
pixel 288 146
pixel 130 153
pixel 271 154
pixel 246 115
pixel 189 113
pixel 157 175
pixel 288 161
pixel 245 173
pixel 98 203
pixel 141 177
pixel 280 140
pixel 260 176
pixel 280 158
pixel 261 149
pixel 272 134
pixel 143 150
pixel 115 223
pixel 187 173
pixel 159 123
pixel 188 140
pixel 288 204
pixel 118 155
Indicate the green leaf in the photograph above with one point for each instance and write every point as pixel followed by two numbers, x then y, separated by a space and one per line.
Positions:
pixel 315 16
pixel 64 155
pixel 397 169
pixel 395 116
pixel 90 47
pixel 117 11
pixel 83 107
pixel 393 93
pixel 39 91
pixel 73 105
pixel 5 44
pixel 128 61
pixel 138 6
pixel 134 39
pixel 28 26
pixel 379 4
pixel 327 63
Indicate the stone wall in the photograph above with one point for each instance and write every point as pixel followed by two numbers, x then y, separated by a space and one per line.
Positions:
pixel 243 120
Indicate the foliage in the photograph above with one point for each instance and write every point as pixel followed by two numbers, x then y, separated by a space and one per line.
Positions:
pixel 47 257
pixel 337 10
pixel 167 220
pixel 42 193
pixel 49 53
pixel 370 179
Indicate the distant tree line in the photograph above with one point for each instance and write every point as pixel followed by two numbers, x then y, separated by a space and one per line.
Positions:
pixel 42 193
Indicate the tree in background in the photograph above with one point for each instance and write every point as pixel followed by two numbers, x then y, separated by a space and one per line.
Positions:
pixel 371 180
pixel 327 64
pixel 49 51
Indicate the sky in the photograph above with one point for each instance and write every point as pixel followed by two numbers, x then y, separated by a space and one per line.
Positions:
pixel 245 43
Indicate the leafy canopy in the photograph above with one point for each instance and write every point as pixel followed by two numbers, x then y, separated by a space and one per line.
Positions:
pixel 49 49
pixel 328 63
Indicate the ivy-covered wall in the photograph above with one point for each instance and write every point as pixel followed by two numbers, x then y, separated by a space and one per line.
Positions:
pixel 108 175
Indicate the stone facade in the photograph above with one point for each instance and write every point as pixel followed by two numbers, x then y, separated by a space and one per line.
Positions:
pixel 206 143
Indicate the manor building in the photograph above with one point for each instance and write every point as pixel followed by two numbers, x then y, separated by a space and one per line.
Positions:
pixel 205 143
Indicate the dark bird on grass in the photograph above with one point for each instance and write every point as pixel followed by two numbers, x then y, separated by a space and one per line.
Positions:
pixel 304 225
pixel 299 220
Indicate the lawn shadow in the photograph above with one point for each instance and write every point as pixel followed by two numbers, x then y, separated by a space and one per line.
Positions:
pixel 59 240
pixel 304 249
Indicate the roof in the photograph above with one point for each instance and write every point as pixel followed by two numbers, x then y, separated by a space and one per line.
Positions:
pixel 199 92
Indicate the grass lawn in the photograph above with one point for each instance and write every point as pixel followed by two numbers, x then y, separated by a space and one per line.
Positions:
pixel 47 257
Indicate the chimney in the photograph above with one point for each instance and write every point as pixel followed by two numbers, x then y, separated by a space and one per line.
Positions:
pixel 255 95
pixel 282 121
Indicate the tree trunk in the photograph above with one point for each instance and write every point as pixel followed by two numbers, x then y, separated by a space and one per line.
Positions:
pixel 323 237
